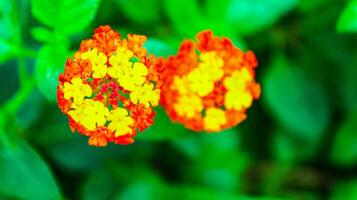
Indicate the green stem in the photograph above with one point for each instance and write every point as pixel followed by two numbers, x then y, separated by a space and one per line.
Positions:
pixel 12 105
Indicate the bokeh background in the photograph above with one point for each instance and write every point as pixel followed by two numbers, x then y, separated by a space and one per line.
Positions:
pixel 299 141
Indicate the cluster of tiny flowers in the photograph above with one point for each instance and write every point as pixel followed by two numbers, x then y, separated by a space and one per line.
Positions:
pixel 109 88
pixel 210 84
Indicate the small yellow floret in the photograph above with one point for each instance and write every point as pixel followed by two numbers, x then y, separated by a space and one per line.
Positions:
pixel 132 77
pixel 146 95
pixel 77 90
pixel 188 106
pixel 90 114
pixel 214 119
pixel 211 64
pixel 98 61
pixel 199 82
pixel 238 80
pixel 120 122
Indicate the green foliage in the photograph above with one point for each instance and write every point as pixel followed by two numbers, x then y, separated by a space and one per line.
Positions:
pixel 67 16
pixel 296 101
pixel 298 141
pixel 250 16
pixel 344 151
pixel 24 174
pixel 346 190
pixel 163 129
pixel 348 19
pixel 142 11
pixel 185 16
pixel 50 61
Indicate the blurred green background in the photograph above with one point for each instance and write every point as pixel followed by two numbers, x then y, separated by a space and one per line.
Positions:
pixel 299 141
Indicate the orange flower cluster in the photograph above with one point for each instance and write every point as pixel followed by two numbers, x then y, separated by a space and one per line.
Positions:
pixel 210 84
pixel 109 88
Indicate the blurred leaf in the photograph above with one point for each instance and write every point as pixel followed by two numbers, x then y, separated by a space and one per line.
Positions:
pixel 348 86
pixel 185 16
pixel 297 102
pixel 11 83
pixel 144 190
pixel 5 50
pixel 158 47
pixel 7 25
pixel 25 175
pixel 9 28
pixel 41 34
pixel 141 11
pixel 251 16
pixel 346 190
pixel 312 6
pixel 286 147
pixel 30 110
pixel 66 16
pixel 100 185
pixel 344 151
pixel 209 170
pixel 163 129
pixel 49 63
pixel 348 18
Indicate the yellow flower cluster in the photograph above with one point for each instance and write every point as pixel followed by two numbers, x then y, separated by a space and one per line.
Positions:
pixel 92 114
pixel 77 90
pixel 132 76
pixel 199 83
pixel 214 118
pixel 120 122
pixel 238 97
pixel 98 61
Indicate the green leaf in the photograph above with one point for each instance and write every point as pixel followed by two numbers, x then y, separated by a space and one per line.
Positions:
pixel 5 50
pixel 346 190
pixel 67 16
pixel 99 180
pixel 141 11
pixel 251 16
pixel 50 63
pixel 297 102
pixel 41 34
pixel 344 151
pixel 163 129
pixel 286 147
pixel 209 170
pixel 25 175
pixel 185 16
pixel 158 47
pixel 348 18
pixel 348 86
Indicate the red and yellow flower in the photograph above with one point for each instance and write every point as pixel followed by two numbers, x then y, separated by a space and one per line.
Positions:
pixel 109 88
pixel 210 84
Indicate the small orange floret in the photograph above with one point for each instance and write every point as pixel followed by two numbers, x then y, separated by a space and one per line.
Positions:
pixel 109 88
pixel 209 84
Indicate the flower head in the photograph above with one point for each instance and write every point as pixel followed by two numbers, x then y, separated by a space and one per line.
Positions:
pixel 210 84
pixel 109 88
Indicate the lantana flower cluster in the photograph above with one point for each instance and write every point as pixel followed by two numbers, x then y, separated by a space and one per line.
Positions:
pixel 209 84
pixel 109 88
